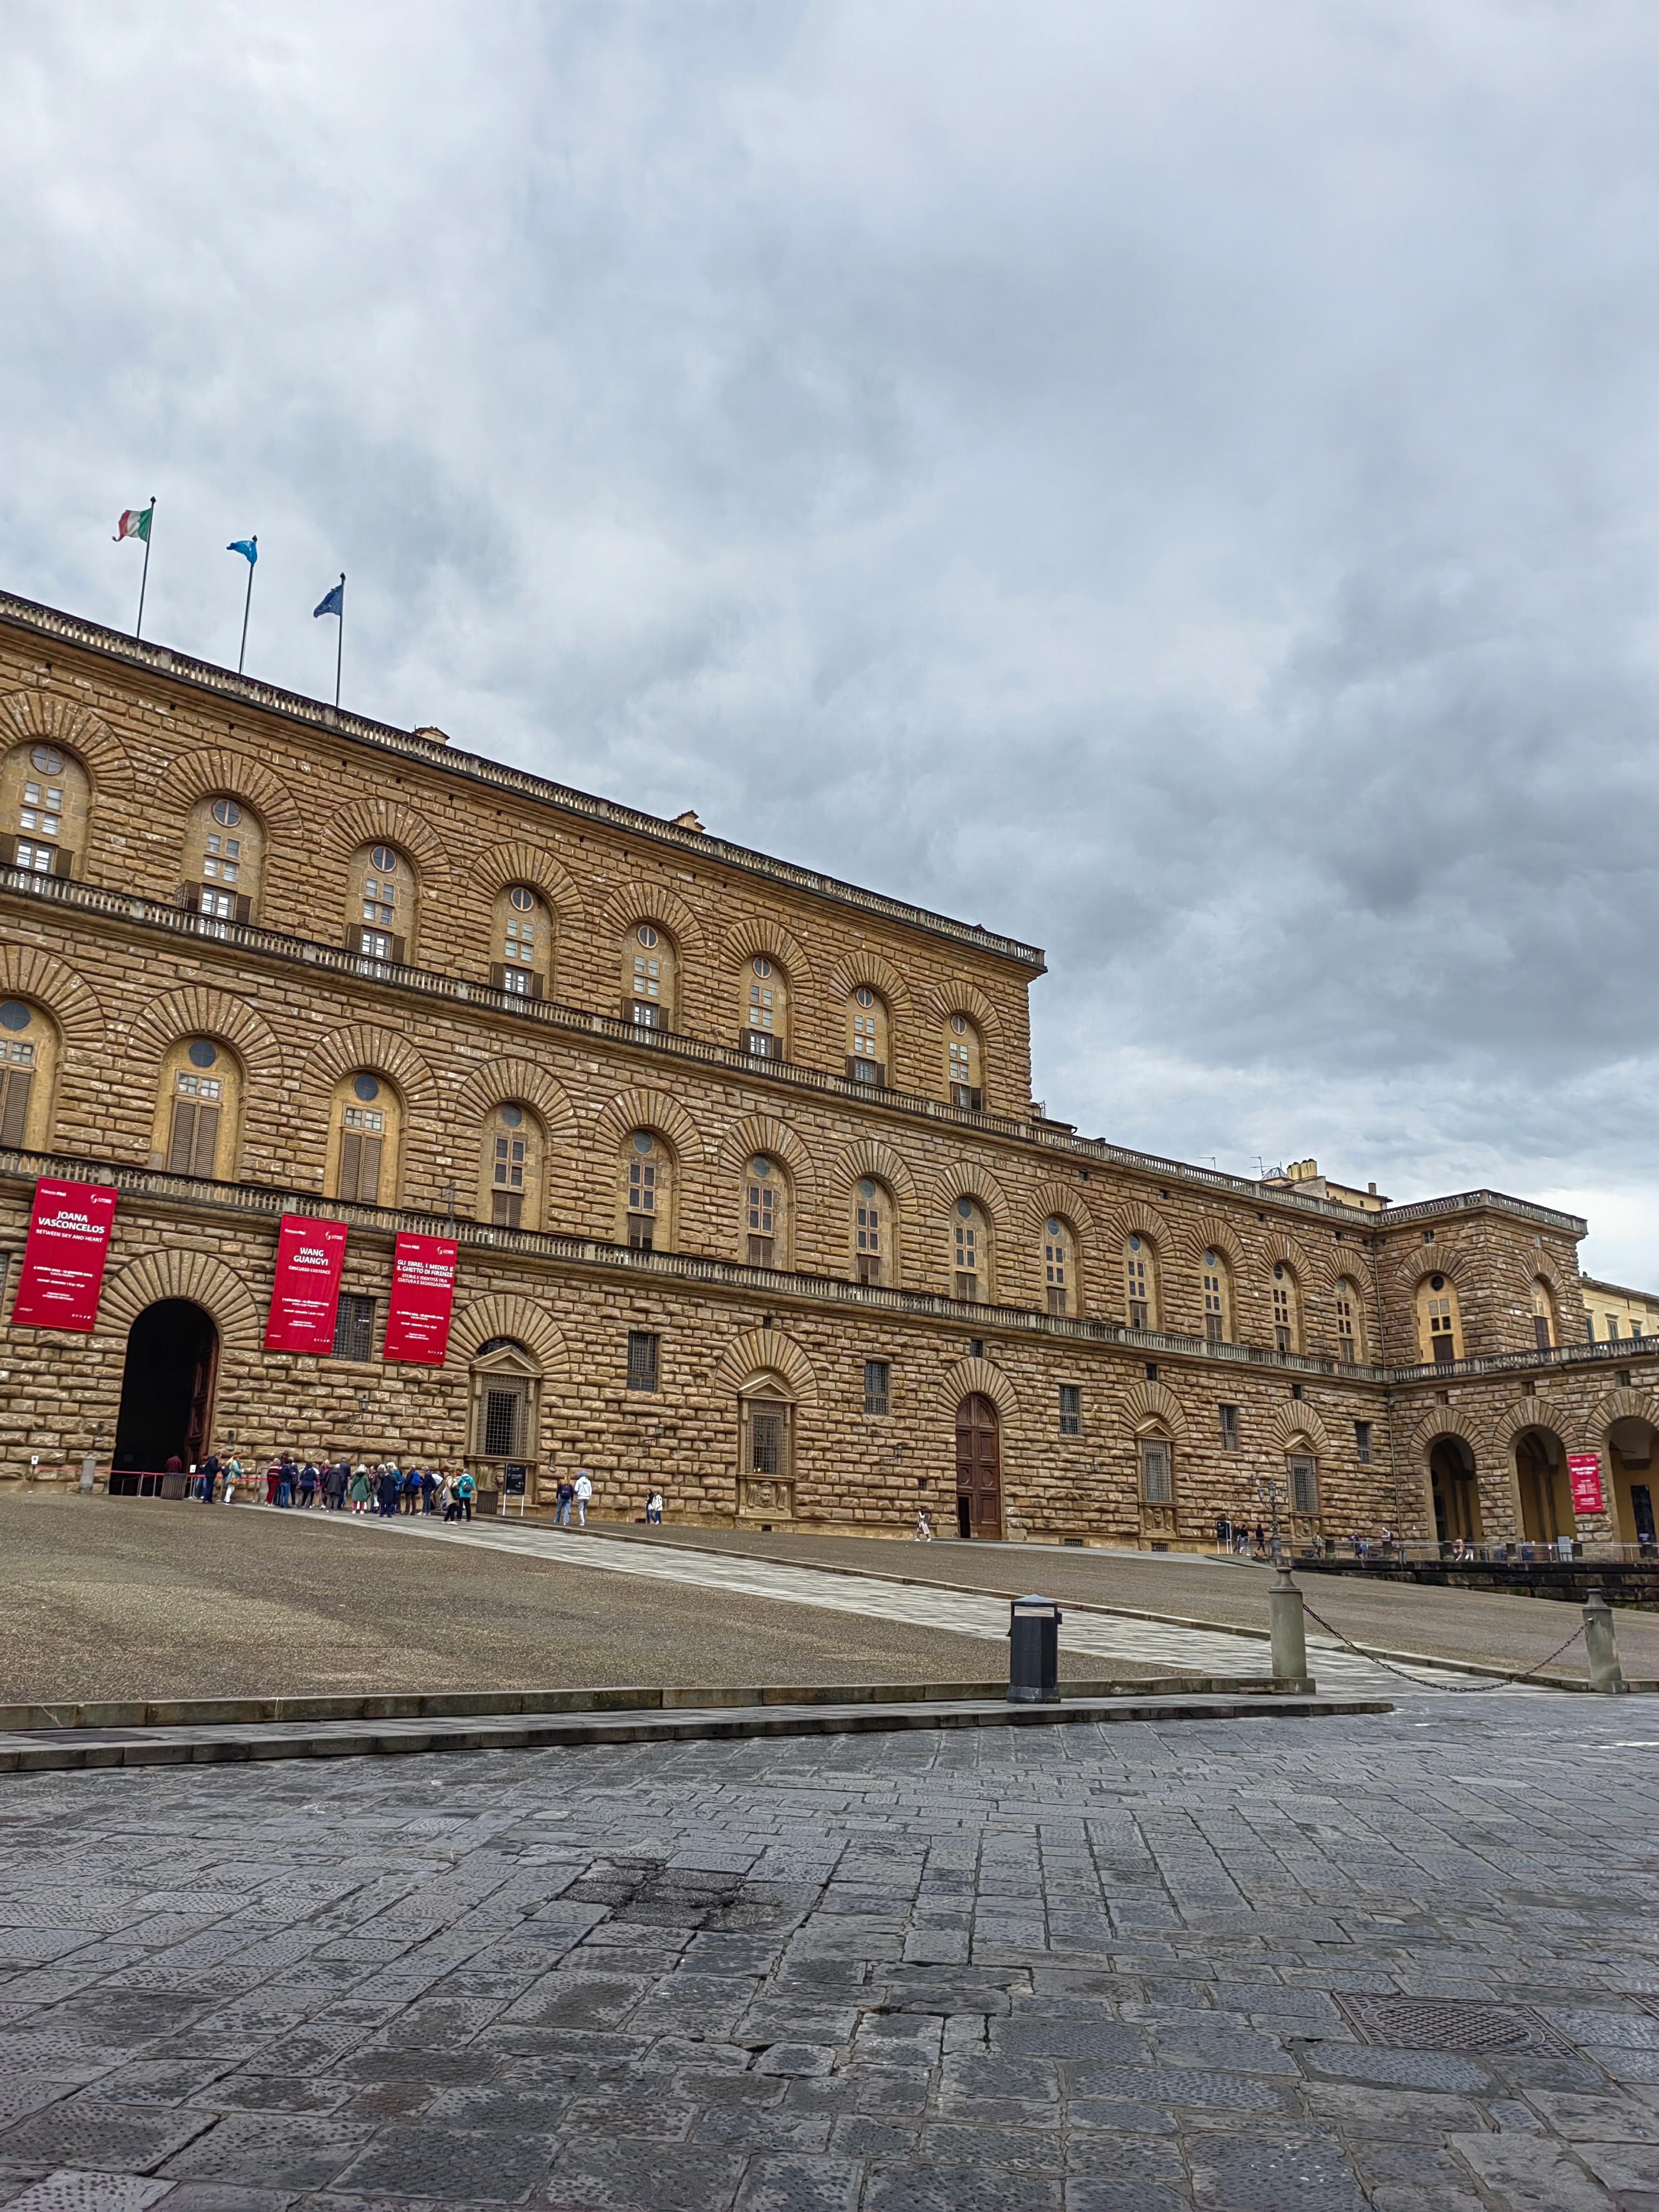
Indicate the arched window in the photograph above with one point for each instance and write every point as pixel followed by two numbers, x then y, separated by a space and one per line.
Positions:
pixel 1439 1324
pixel 766 1213
pixel 971 1243
pixel 1350 1321
pixel 523 942
pixel 649 977
pixel 383 909
pixel 511 1192
pixel 1060 1265
pixel 1546 1330
pixel 1218 1299
pixel 866 1037
pixel 963 1062
pixel 1140 1281
pixel 366 1128
pixel 766 1031
pixel 1287 1308
pixel 198 1110
pixel 648 1192
pixel 28 1065
pixel 224 859
pixel 45 801
pixel 872 1232
pixel 1157 1455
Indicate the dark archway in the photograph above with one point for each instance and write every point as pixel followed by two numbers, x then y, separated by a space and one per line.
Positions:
pixel 1456 1492
pixel 167 1389
pixel 979 1468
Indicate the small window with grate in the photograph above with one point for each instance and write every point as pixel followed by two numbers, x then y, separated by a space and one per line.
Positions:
pixel 354 1327
pixel 877 1386
pixel 644 1359
pixel 1071 1409
pixel 1362 1443
pixel 1305 1484
pixel 1229 1419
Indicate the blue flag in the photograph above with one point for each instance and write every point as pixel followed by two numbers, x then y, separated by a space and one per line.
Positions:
pixel 333 603
pixel 248 548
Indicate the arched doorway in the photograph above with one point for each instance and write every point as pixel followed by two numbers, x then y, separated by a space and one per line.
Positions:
pixel 979 1468
pixel 765 1445
pixel 1541 1476
pixel 1456 1493
pixel 166 1388
pixel 1634 1477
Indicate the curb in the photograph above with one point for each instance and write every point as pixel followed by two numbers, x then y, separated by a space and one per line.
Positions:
pixel 54 1751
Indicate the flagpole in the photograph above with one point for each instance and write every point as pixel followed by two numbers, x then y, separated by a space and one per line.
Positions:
pixel 340 644
pixel 242 651
pixel 143 581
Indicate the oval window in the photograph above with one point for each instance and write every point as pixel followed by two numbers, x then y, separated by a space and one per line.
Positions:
pixel 965 1208
pixel 641 1140
pixel 763 967
pixel 365 1087
pixel 760 1167
pixel 647 935
pixel 867 1190
pixel 1053 1227
pixel 1134 1243
pixel 15 1015
pixel 47 759
pixel 959 1024
pixel 1209 1258
pixel 865 996
pixel 227 812
pixel 522 897
pixel 1437 1282
pixel 383 859
pixel 1278 1271
pixel 512 1117
pixel 201 1054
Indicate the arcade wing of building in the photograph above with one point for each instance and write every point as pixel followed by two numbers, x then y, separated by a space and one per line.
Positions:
pixel 752 1200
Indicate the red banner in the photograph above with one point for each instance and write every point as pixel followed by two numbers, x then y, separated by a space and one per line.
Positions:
pixel 1584 1477
pixel 309 1257
pixel 423 1293
pixel 64 1260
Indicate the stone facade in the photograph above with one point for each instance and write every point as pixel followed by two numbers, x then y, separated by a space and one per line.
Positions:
pixel 1218 1329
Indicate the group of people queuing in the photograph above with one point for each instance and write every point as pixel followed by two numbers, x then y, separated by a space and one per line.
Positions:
pixel 386 1488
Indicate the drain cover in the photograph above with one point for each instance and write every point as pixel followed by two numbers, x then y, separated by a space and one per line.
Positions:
pixel 1445 2024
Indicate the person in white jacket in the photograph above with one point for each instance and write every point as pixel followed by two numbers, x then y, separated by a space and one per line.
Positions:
pixel 584 1491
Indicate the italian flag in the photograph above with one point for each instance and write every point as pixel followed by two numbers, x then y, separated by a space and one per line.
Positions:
pixel 134 523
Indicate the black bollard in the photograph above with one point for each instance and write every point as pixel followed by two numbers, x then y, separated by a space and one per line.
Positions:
pixel 1034 1651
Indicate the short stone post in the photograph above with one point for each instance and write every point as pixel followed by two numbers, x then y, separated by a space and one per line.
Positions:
pixel 1601 1644
pixel 1289 1641
pixel 89 1473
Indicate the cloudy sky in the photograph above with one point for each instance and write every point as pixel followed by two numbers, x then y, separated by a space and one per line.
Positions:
pixel 1176 480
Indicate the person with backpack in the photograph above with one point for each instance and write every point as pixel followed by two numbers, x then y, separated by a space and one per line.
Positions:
pixel 429 1492
pixel 465 1491
pixel 412 1491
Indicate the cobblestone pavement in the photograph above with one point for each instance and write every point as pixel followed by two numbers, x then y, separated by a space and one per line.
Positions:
pixel 1077 1970
pixel 1138 1643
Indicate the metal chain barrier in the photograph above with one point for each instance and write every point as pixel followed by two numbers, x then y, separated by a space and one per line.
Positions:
pixel 1451 1689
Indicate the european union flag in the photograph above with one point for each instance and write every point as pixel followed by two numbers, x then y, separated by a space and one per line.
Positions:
pixel 248 547
pixel 332 603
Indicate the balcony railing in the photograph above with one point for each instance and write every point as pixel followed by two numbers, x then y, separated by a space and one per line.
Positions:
pixel 1620 1353
pixel 134 909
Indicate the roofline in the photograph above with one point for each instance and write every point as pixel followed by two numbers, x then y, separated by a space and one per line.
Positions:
pixel 1618 1290
pixel 161 662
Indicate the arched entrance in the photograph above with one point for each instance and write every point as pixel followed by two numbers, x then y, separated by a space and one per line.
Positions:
pixel 979 1468
pixel 1632 1479
pixel 1541 1476
pixel 166 1388
pixel 1456 1493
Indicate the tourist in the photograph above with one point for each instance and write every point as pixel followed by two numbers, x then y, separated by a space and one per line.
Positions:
pixel 391 1491
pixel 360 1492
pixel 465 1491
pixel 564 1497
pixel 584 1491
pixel 429 1492
pixel 308 1482
pixel 233 1475
pixel 412 1491
pixel 654 1509
pixel 924 1526
pixel 288 1477
pixel 1261 1541
pixel 207 1477
pixel 336 1476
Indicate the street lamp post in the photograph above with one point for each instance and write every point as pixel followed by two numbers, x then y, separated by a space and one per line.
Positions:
pixel 1270 1489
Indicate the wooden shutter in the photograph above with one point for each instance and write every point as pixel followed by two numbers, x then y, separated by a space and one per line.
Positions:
pixel 351 1152
pixel 15 1087
pixel 244 909
pixel 397 947
pixel 498 976
pixel 181 1143
pixel 9 852
pixel 206 1141
pixel 189 896
pixel 61 862
pixel 369 1172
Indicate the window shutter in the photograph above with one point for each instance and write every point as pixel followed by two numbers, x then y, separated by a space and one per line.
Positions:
pixel 188 897
pixel 207 1140
pixel 9 851
pixel 507 1208
pixel 15 1090
pixel 355 939
pixel 352 1150
pixel 369 1172
pixel 244 909
pixel 61 862
pixel 498 976
pixel 536 983
pixel 398 943
pixel 181 1145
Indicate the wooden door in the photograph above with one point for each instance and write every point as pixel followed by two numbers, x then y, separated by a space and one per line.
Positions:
pixel 979 1467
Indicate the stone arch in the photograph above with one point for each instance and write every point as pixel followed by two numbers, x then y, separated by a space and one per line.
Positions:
pixel 1135 1219
pixel 880 1164
pixel 504 1315
pixel 767 1351
pixel 1210 1233
pixel 1154 1405
pixel 500 867
pixel 66 996
pixel 963 1180
pixel 199 1011
pixel 880 975
pixel 361 1045
pixel 1531 1413
pixel 651 1109
pixel 1311 1268
pixel 383 821
pixel 1295 1420
pixel 768 939
pixel 963 998
pixel 1065 1199
pixel 179 1273
pixel 214 768
pixel 762 1133
pixel 637 901
pixel 978 1377
pixel 499 1080
pixel 1449 1421
pixel 48 717
pixel 1622 1404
